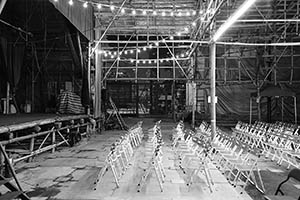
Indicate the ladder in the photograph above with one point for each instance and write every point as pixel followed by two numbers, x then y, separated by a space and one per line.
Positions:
pixel 117 114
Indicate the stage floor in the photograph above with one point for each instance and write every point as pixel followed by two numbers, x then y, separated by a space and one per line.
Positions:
pixel 70 174
pixel 11 119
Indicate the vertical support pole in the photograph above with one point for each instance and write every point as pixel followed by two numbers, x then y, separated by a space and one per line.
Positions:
pixel 7 98
pixel 250 119
pixel 136 58
pixel 173 101
pixel 212 64
pixel 31 148
pixel 282 107
pixel 53 140
pixel 295 109
pixel 258 104
pixel 137 99
pixel 194 103
pixel 98 86
pixel 89 80
pixel 157 60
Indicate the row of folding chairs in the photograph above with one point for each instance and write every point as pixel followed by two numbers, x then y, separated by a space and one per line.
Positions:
pixel 153 150
pixel 236 160
pixel 120 155
pixel 192 156
pixel 281 144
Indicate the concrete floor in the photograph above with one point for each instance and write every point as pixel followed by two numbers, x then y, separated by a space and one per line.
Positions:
pixel 70 173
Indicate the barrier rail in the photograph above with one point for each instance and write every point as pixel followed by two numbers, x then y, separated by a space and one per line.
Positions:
pixel 26 140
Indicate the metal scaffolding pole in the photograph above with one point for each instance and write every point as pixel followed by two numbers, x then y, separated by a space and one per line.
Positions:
pixel 212 64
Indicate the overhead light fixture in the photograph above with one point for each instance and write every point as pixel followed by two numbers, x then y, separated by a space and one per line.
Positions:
pixel 144 61
pixel 178 34
pixel 144 12
pixel 112 7
pixel 138 51
pixel 194 12
pixel 149 61
pixel 150 46
pixel 85 5
pixel 193 23
pixel 71 2
pixel 131 60
pixel 237 14
pixel 137 61
pixel 154 12
pixel 163 13
pixel 179 14
pixel 171 37
pixel 125 52
pixel 133 12
pixel 172 14
pixel 186 29
pixel 123 10
pixel 131 51
pixel 99 6
pixel 144 48
pixel 55 0
pixel 188 13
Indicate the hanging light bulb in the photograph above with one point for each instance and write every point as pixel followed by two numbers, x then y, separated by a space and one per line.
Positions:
pixel 112 8
pixel 179 14
pixel 138 50
pixel 133 12
pixel 85 5
pixel 125 52
pixel 138 61
pixel 123 11
pixel 131 51
pixel 161 60
pixel 121 52
pixel 172 13
pixel 171 37
pixel 155 61
pixel 178 34
pixel 71 2
pixel 150 46
pixel 194 12
pixel 112 56
pixel 181 55
pixel 105 54
pixel 149 61
pixel 118 58
pixel 144 48
pixel 177 56
pixel 144 12
pixel 55 0
pixel 193 23
pixel 163 13
pixel 131 60
pixel 154 12
pixel 144 61
pixel 115 53
pixel 188 13
pixel 99 6
pixel 156 43
pixel 164 40
pixel 186 29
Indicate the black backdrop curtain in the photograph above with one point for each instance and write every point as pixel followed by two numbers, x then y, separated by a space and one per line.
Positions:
pixel 12 57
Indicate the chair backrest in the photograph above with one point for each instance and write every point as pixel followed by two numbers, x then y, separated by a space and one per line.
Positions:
pixel 295 173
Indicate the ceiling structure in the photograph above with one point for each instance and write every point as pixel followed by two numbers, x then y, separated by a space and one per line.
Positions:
pixel 166 40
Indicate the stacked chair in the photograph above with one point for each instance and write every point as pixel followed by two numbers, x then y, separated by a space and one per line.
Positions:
pixel 121 154
pixel 278 141
pixel 154 149
pixel 192 154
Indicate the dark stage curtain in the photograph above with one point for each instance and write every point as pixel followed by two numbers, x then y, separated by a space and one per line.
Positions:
pixel 12 57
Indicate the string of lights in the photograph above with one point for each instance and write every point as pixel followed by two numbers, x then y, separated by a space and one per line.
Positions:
pixel 138 11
